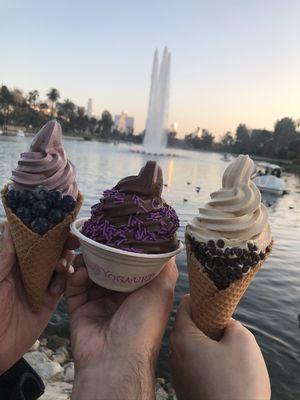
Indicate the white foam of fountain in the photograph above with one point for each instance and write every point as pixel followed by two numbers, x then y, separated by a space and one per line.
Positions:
pixel 155 140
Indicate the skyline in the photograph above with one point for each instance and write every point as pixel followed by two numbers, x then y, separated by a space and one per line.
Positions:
pixel 231 62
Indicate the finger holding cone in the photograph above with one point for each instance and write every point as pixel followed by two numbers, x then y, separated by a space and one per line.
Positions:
pixel 226 246
pixel 40 204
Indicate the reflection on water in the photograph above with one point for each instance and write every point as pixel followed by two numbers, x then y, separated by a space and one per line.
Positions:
pixel 271 305
pixel 170 175
pixel 270 199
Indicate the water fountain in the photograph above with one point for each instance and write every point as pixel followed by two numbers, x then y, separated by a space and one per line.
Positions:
pixel 155 140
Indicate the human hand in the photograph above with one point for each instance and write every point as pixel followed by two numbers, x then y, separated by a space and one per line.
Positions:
pixel 232 369
pixel 115 336
pixel 20 327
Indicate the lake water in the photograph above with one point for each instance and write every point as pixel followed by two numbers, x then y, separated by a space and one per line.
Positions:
pixel 271 305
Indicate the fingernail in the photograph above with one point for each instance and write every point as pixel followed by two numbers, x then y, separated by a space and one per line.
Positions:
pixel 63 262
pixel 71 269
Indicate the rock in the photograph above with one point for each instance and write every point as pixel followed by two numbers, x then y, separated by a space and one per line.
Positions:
pixel 49 353
pixel 43 341
pixel 172 394
pixel 69 372
pixel 54 342
pixel 46 368
pixel 170 388
pixel 161 381
pixel 160 393
pixel 35 346
pixel 61 355
pixel 57 391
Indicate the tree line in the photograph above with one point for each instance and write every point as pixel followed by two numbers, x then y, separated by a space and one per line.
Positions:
pixel 30 112
pixel 282 143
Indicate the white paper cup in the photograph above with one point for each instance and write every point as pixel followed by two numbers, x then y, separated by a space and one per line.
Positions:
pixel 116 269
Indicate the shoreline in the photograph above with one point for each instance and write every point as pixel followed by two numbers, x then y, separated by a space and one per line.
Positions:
pixel 51 357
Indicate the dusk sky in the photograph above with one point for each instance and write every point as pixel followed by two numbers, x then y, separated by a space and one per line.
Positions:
pixel 232 61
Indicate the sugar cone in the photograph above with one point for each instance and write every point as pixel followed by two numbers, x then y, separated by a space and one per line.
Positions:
pixel 211 308
pixel 38 255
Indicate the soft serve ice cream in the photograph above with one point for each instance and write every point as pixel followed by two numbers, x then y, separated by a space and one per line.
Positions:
pixel 133 217
pixel 232 233
pixel 46 164
pixel 44 189
pixel 41 202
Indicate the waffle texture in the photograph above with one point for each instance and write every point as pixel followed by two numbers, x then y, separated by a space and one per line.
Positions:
pixel 211 308
pixel 38 255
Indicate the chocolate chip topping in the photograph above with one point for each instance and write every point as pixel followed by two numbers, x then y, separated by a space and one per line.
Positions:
pixel 227 265
pixel 220 243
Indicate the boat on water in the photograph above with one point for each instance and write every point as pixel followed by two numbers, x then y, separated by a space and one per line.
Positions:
pixel 268 179
pixel 226 157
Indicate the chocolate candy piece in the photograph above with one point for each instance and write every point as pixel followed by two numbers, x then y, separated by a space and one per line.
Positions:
pixel 211 244
pixel 245 269
pixel 220 243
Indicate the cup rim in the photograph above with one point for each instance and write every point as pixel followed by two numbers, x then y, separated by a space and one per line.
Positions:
pixel 77 224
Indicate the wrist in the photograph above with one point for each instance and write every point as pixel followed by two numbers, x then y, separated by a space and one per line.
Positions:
pixel 125 378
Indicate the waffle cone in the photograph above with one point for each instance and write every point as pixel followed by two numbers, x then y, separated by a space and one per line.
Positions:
pixel 38 255
pixel 211 308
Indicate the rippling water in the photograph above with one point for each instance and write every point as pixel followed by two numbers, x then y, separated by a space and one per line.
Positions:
pixel 271 305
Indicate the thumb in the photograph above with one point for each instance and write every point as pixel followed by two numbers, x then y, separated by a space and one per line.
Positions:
pixel 7 251
pixel 185 324
pixel 235 332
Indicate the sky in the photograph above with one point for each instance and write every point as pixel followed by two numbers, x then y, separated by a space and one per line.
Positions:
pixel 232 61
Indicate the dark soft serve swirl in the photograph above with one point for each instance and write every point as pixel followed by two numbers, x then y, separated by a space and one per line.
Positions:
pixel 132 216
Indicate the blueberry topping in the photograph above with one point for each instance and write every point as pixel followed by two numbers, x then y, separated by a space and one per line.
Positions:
pixel 12 199
pixel 54 198
pixel 68 203
pixel 40 225
pixel 56 215
pixel 26 198
pixel 40 208
pixel 41 193
pixel 24 214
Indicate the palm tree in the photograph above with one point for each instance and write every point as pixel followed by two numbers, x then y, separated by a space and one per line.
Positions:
pixel 32 97
pixel 106 123
pixel 82 120
pixel 53 95
pixel 67 109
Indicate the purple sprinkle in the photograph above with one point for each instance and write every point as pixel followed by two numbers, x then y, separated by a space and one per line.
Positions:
pixel 163 221
pixel 129 220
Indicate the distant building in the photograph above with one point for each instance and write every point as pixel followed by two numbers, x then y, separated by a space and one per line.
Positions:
pixel 123 123
pixel 196 133
pixel 174 127
pixel 89 108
